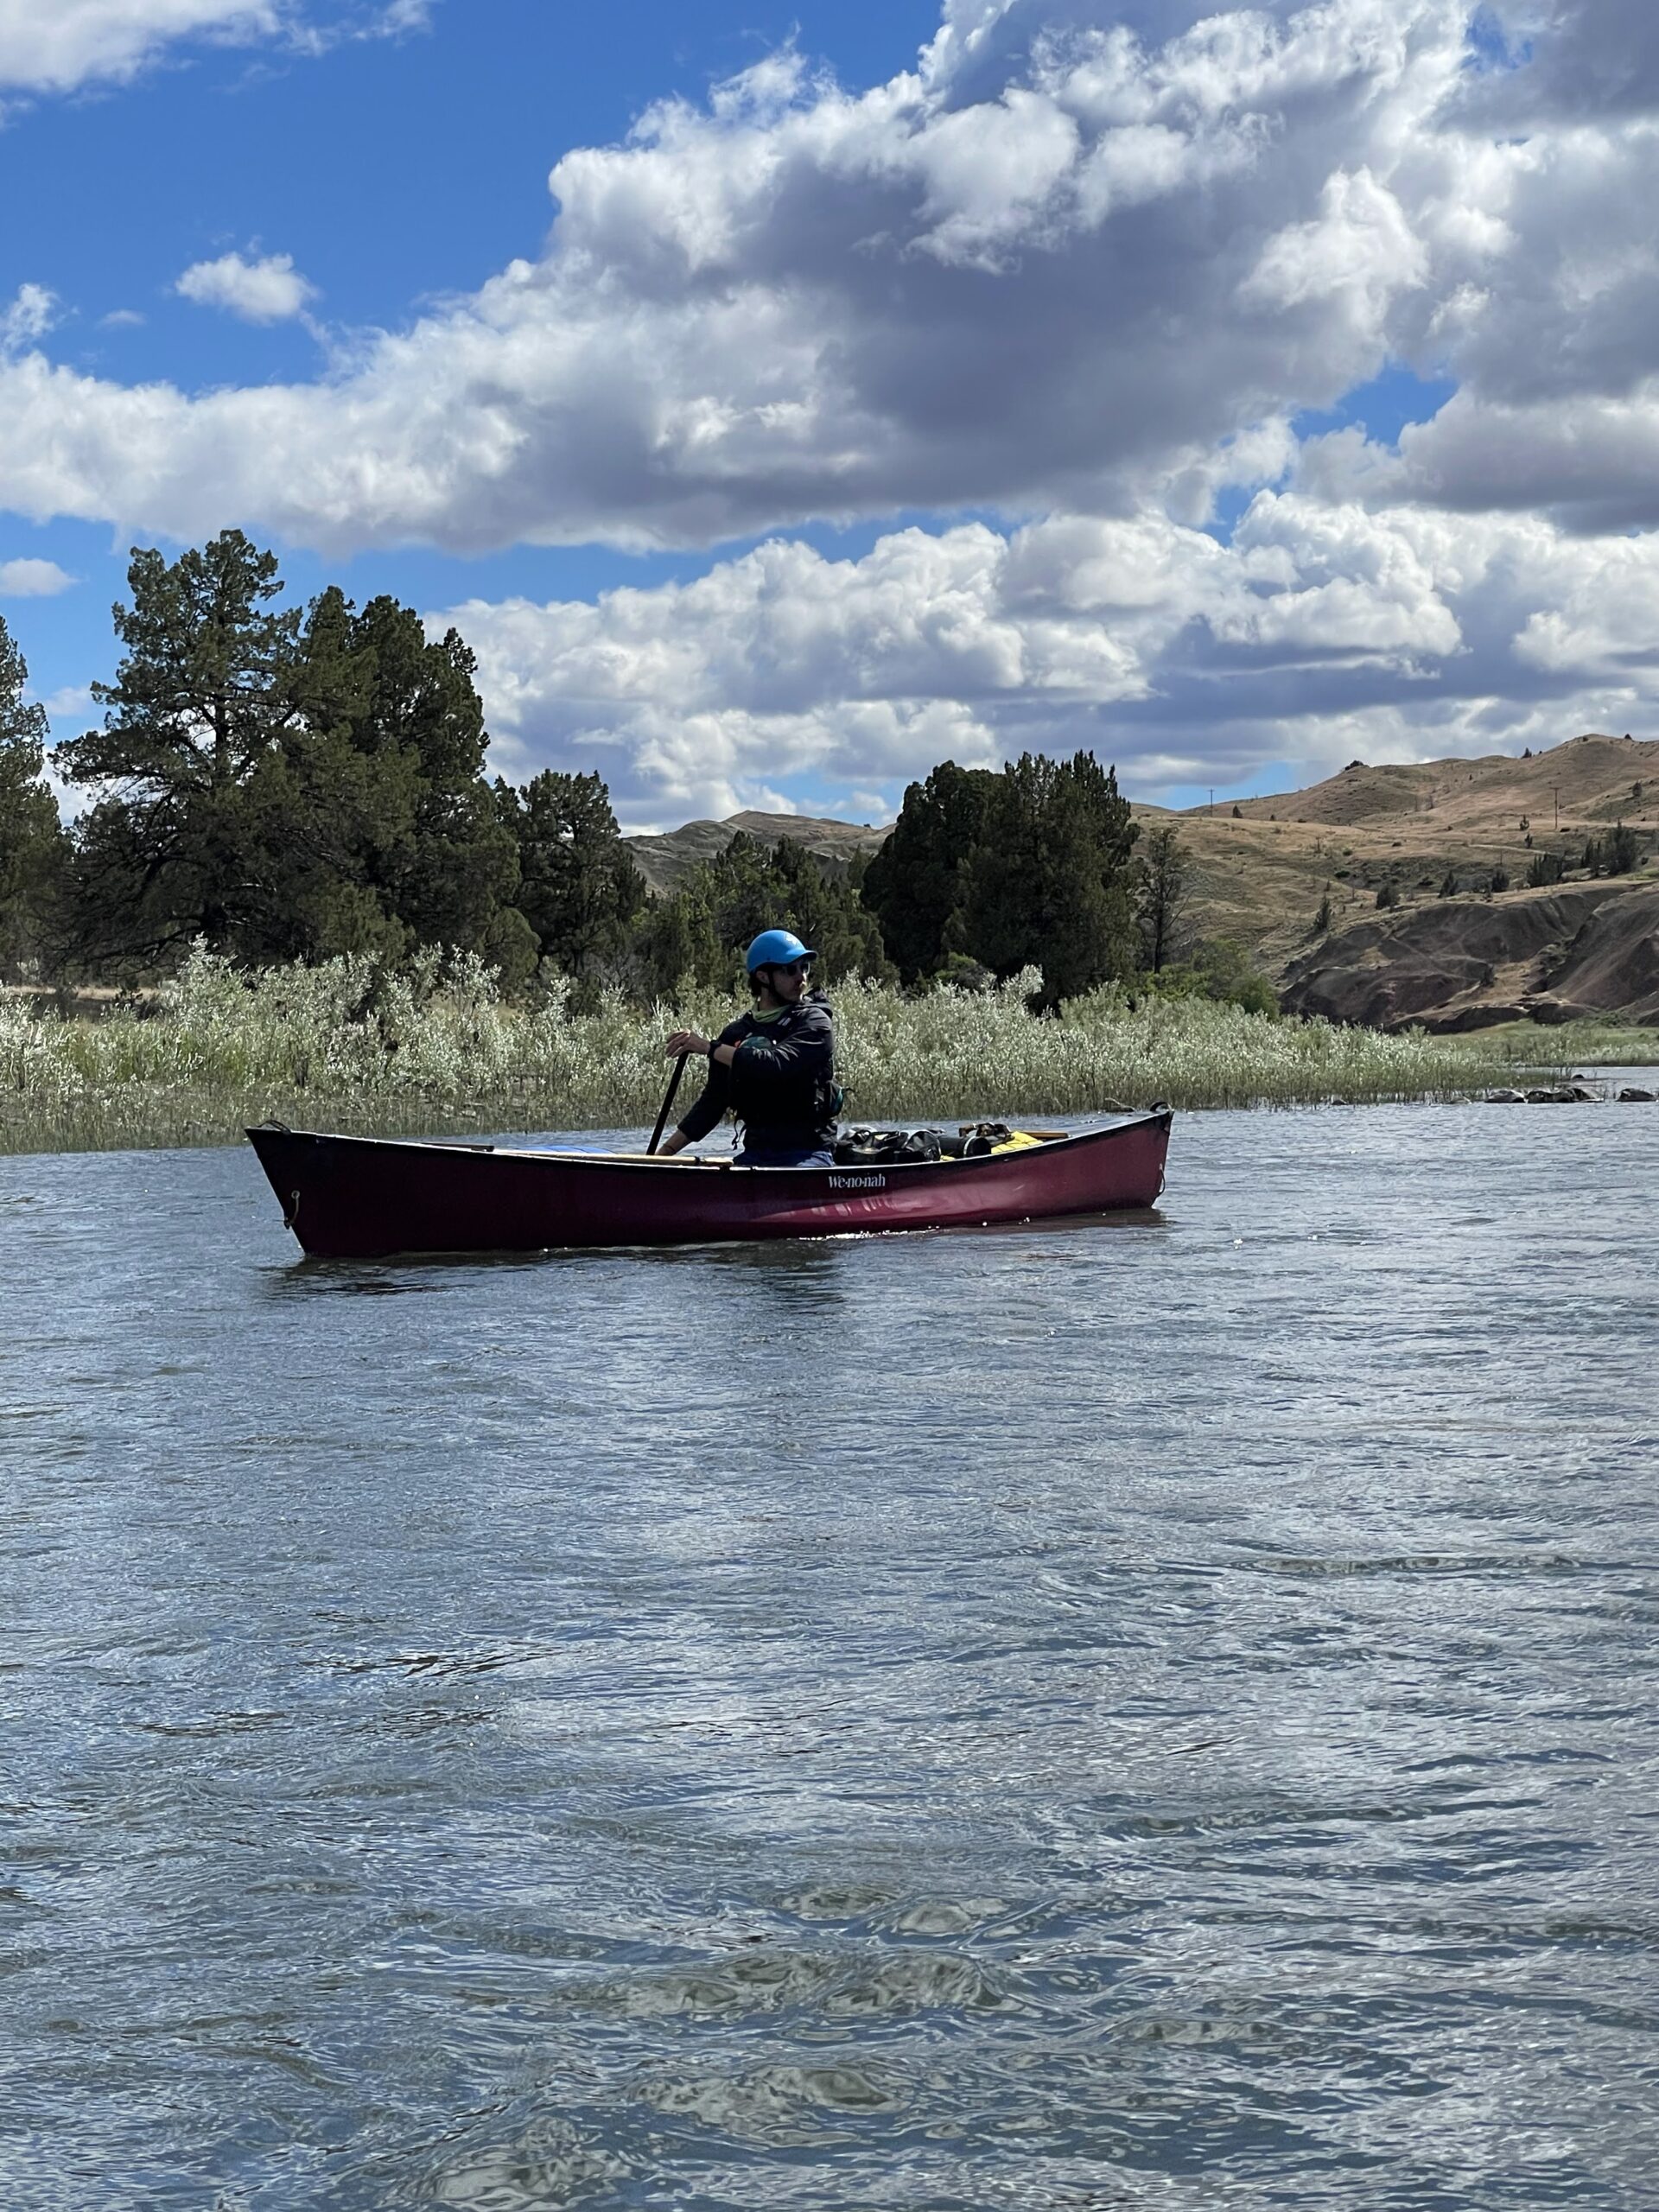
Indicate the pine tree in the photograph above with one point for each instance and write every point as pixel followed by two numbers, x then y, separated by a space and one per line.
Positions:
pixel 578 889
pixel 34 851
pixel 698 934
pixel 445 868
pixel 917 884
pixel 1051 884
pixel 1620 853
pixel 206 690
pixel 285 787
pixel 821 903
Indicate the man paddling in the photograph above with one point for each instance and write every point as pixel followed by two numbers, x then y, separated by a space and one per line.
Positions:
pixel 774 1067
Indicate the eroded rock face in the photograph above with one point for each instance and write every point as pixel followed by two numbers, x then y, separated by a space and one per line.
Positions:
pixel 1456 964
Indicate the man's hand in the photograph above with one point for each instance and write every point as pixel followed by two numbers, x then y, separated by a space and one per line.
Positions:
pixel 685 1040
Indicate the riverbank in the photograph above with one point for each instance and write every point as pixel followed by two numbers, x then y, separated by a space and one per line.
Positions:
pixel 351 1046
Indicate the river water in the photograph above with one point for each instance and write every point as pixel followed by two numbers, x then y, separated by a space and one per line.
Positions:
pixel 1158 1715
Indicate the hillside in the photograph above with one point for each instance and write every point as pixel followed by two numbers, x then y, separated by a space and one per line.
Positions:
pixel 1260 868
pixel 1260 875
pixel 1591 781
pixel 664 860
pixel 1583 949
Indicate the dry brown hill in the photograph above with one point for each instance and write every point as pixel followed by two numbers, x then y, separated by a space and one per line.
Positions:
pixel 1592 780
pixel 1260 869
pixel 665 859
pixel 1261 873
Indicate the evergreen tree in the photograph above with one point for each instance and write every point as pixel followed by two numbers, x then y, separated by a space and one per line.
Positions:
pixel 284 788
pixel 205 689
pixel 442 861
pixel 917 884
pixel 1621 852
pixel 578 888
pixel 1051 884
pixel 822 904
pixel 698 934
pixel 1163 895
pixel 34 850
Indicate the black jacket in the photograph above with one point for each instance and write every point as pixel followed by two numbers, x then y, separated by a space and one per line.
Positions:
pixel 782 1084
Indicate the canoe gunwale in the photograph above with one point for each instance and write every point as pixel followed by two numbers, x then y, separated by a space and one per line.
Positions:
pixel 655 1163
pixel 347 1197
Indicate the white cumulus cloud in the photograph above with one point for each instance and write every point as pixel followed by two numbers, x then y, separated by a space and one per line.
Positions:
pixel 1076 253
pixel 30 579
pixel 53 45
pixel 1059 271
pixel 268 290
pixel 1151 642
pixel 26 318
pixel 1078 270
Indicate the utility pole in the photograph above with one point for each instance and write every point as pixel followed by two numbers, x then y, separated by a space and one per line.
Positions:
pixel 1212 808
pixel 1556 793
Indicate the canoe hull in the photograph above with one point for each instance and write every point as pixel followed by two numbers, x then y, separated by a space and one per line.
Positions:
pixel 365 1198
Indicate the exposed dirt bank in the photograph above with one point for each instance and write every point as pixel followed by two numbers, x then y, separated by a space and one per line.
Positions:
pixel 1453 964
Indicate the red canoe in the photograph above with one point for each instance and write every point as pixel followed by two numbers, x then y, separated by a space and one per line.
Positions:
pixel 362 1198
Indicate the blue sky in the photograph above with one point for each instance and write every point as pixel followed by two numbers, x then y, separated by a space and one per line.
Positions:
pixel 918 379
pixel 391 171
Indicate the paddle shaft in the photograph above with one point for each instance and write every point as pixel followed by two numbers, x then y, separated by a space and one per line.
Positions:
pixel 668 1101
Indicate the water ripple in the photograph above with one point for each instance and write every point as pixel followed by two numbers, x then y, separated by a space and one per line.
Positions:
pixel 1156 1715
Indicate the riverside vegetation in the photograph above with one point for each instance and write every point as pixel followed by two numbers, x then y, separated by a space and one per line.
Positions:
pixel 364 1046
pixel 291 867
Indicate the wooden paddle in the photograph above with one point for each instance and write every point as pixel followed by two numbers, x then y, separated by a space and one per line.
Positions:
pixel 668 1101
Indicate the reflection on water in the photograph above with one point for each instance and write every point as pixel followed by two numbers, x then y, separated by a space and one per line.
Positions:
pixel 1150 1714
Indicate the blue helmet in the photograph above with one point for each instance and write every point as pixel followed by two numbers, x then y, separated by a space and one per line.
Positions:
pixel 777 948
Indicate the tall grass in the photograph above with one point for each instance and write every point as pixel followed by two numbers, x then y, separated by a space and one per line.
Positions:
pixel 1587 1043
pixel 354 1045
